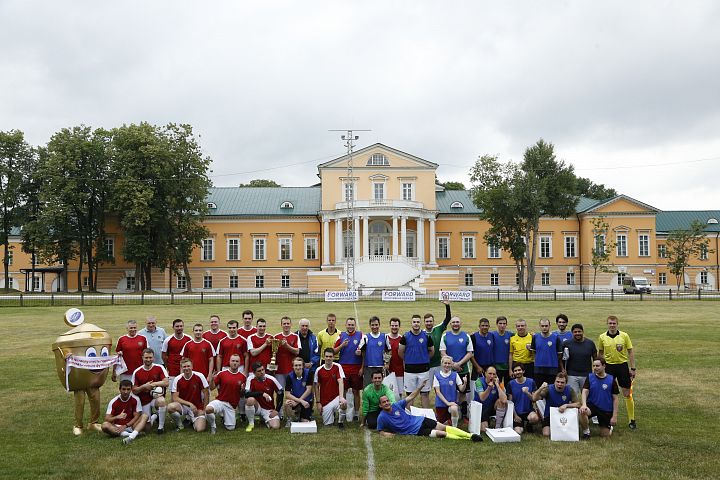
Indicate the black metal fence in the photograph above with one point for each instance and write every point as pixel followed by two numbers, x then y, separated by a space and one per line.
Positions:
pixel 152 298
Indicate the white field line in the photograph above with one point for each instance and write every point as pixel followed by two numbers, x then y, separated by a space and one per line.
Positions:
pixel 368 438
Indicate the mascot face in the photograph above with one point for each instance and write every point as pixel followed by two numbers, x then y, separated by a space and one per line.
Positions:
pixel 85 340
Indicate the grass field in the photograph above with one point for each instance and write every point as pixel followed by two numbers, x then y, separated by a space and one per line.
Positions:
pixel 677 356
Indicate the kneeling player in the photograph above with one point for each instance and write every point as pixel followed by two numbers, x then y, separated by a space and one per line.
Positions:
pixel 599 399
pixel 124 417
pixel 231 388
pixel 446 383
pixel 298 393
pixel 190 395
pixel 520 392
pixel 559 395
pixel 145 379
pixel 330 390
pixel 491 394
pixel 260 392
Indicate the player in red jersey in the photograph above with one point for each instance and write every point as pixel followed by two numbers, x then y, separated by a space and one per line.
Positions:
pixel 231 388
pixel 214 335
pixel 231 345
pixel 396 364
pixel 124 417
pixel 144 379
pixel 172 346
pixel 247 328
pixel 289 349
pixel 259 344
pixel 200 351
pixel 130 348
pixel 190 396
pixel 260 392
pixel 330 389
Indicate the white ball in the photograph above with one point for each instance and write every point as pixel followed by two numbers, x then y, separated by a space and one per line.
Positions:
pixel 74 317
pixel 158 392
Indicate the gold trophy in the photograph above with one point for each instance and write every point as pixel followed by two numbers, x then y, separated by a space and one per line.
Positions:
pixel 274 346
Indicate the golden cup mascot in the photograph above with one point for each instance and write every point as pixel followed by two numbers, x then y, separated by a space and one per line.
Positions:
pixel 82 359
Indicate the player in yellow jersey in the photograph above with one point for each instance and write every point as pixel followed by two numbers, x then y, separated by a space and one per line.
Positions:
pixel 617 349
pixel 520 352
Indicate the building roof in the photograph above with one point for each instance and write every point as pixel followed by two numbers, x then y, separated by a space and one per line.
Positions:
pixel 365 150
pixel 607 201
pixel 668 221
pixel 445 199
pixel 263 201
pixel 587 203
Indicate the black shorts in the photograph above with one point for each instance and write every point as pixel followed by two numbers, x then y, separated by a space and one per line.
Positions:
pixel 546 421
pixel 487 413
pixel 523 419
pixel 302 412
pixel 621 372
pixel 371 419
pixel 427 427
pixel 602 416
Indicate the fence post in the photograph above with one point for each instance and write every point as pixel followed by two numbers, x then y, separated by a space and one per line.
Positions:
pixel 498 294
pixel 298 296
pixel 699 293
pixel 21 300
pixel 172 298
pixel 202 298
pixel 641 296
pixel 555 294
pixel 230 298
pixel 612 294
pixel 52 299
pixel 670 294
pixel 583 293
pixel 112 299
pixel 259 297
pixel 142 298
pixel 526 295
pixel 82 298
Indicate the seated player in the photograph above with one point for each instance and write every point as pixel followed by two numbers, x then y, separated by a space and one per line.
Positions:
pixel 124 417
pixel 520 391
pixel 145 379
pixel 231 388
pixel 260 392
pixel 393 419
pixel 190 396
pixel 559 395
pixel 490 392
pixel 330 389
pixel 371 400
pixel 298 393
pixel 446 383
pixel 599 399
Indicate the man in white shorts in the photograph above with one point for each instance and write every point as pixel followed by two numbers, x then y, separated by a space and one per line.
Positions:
pixel 261 391
pixel 416 348
pixel 231 388
pixel 145 379
pixel 190 396
pixel 330 390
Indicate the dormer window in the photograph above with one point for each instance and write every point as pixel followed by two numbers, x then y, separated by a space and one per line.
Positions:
pixel 712 221
pixel 212 205
pixel 378 159
pixel 456 205
pixel 287 205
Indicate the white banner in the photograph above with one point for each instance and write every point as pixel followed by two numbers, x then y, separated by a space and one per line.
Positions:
pixel 92 363
pixel 398 295
pixel 341 296
pixel 455 296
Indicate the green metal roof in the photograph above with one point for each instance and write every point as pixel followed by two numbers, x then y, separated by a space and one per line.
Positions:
pixel 446 198
pixel 586 204
pixel 668 221
pixel 263 201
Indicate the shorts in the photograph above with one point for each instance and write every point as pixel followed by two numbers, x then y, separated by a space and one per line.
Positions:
pixel 427 427
pixel 487 413
pixel 354 381
pixel 400 385
pixel 124 376
pixel 265 414
pixel 147 408
pixel 187 412
pixel 621 372
pixel 503 373
pixel 302 412
pixel 413 381
pixel 225 410
pixel 541 378
pixel 371 419
pixel 602 416
pixel 523 419
pixel 576 383
pixel 329 410
pixel 442 414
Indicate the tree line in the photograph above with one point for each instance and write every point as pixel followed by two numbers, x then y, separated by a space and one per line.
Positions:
pixel 153 180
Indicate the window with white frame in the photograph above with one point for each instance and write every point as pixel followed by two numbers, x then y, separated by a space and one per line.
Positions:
pixel 662 278
pixel 378 159
pixel 285 248
pixel 208 249
pixel 493 251
pixel 207 281
pixel 662 251
pixel 620 278
pixel 10 257
pixel 181 282
pixel 570 278
pixel 11 282
pixel 130 282
pixel 443 247
pixel 259 281
pixel 285 281
pixel 621 247
pixel 599 244
pixel 311 244
pixel 410 244
pixel 469 280
pixel 408 191
pixel 468 247
pixel 545 278
pixel 109 244
pixel 570 246
pixel 86 282
pixel 703 251
pixel 545 246
pixel 348 244
pixel 259 248
pixel 234 281
pixel 494 279
pixel 704 278
pixel 644 245
pixel 233 249
pixel 379 190
pixel 348 190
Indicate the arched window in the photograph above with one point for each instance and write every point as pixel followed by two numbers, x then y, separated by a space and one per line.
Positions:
pixel 456 205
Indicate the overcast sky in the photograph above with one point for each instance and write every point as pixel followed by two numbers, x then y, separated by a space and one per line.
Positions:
pixel 629 92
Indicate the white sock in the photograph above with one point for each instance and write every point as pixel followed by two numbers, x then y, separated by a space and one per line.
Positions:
pixel 250 414
pixel 153 418
pixel 499 417
pixel 133 434
pixel 211 419
pixel 124 434
pixel 454 420
pixel 177 417
pixel 161 417
pixel 342 416
pixel 586 431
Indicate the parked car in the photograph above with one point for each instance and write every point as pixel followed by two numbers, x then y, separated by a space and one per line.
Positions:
pixel 636 285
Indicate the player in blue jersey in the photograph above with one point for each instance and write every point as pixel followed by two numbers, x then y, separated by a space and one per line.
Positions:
pixel 558 395
pixel 373 346
pixel 490 392
pixel 448 385
pixel 520 391
pixel 483 346
pixel 298 392
pixel 501 349
pixel 548 351
pixel 562 332
pixel 416 348
pixel 459 347
pixel 599 399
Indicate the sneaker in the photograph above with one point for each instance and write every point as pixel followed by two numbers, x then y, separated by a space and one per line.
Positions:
pixel 476 438
pixel 127 440
pixel 632 425
pixel 160 431
pixel 249 428
pixel 341 426
pixel 77 431
pixel 586 436
pixel 180 427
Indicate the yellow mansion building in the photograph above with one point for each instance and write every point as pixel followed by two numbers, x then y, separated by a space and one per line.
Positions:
pixel 389 225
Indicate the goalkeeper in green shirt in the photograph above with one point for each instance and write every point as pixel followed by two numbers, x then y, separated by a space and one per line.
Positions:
pixel 371 400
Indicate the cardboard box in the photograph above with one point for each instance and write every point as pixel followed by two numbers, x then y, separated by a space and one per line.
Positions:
pixel 303 427
pixel 502 435
pixel 423 412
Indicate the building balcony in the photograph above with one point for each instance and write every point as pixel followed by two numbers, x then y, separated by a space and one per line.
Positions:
pixel 384 202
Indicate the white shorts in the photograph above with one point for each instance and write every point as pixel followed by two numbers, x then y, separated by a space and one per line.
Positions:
pixel 400 383
pixel 147 408
pixel 265 414
pixel 225 410
pixel 413 381
pixel 124 376
pixel 329 410
pixel 187 411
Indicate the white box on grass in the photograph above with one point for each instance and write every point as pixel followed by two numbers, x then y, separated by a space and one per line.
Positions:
pixel 303 427
pixel 502 435
pixel 423 412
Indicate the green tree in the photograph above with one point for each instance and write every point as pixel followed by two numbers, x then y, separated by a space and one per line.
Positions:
pixel 17 160
pixel 684 244
pixel 261 182
pixel 587 188
pixel 600 260
pixel 513 197
pixel 453 185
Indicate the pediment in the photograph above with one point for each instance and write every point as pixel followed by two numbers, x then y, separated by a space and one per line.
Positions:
pixel 368 158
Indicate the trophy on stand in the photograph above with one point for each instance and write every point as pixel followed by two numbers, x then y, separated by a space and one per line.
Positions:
pixel 274 346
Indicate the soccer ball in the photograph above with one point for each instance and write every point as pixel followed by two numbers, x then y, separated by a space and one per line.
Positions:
pixel 158 392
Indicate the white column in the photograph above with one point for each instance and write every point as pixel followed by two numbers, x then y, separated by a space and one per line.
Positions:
pixel 432 242
pixel 356 241
pixel 421 240
pixel 326 242
pixel 365 237
pixel 395 236
pixel 403 236
pixel 338 240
